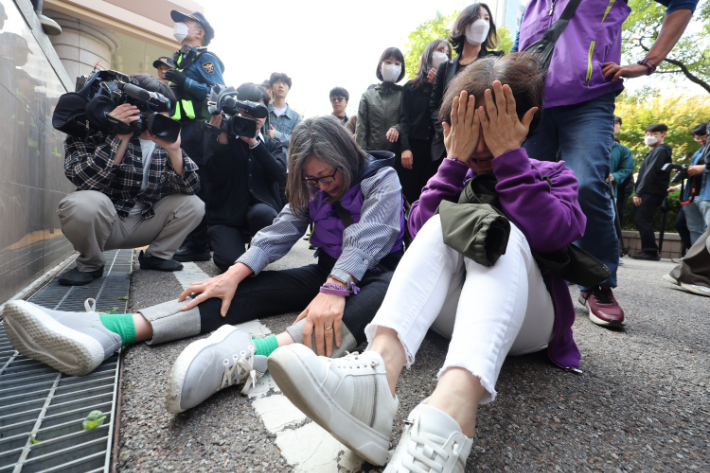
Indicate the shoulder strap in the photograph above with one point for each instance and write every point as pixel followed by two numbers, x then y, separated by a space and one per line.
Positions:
pixel 344 215
pixel 554 32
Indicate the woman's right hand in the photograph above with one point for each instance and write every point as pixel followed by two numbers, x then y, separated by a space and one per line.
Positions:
pixel 126 113
pixel 407 159
pixel 431 75
pixel 461 136
pixel 223 286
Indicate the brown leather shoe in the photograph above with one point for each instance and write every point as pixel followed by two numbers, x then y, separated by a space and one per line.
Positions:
pixel 603 308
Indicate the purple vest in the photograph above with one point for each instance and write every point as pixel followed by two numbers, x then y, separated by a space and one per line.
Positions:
pixel 592 37
pixel 328 228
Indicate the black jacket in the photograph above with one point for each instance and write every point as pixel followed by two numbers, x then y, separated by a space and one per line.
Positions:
pixel 414 117
pixel 240 176
pixel 444 75
pixel 651 180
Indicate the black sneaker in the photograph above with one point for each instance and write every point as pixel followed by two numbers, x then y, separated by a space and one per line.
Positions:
pixel 647 255
pixel 74 277
pixel 148 261
pixel 188 254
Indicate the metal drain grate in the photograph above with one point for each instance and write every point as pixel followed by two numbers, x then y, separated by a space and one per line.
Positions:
pixel 41 410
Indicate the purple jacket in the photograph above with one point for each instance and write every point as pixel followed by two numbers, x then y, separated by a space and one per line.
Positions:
pixel 548 215
pixel 592 37
pixel 328 228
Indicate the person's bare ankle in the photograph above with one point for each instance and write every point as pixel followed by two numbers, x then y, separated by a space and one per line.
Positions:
pixel 284 339
pixel 388 345
pixel 144 331
pixel 458 394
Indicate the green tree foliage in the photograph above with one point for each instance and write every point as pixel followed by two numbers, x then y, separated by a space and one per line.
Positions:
pixel 438 28
pixel 690 59
pixel 681 112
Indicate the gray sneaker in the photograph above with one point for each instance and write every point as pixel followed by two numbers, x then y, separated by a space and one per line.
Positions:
pixel 225 358
pixel 432 441
pixel 75 343
pixel 349 397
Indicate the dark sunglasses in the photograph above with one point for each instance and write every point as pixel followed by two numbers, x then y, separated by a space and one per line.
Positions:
pixel 325 179
pixel 337 99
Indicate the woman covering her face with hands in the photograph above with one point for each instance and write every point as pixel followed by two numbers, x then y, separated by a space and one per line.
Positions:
pixel 489 308
pixel 415 123
pixel 378 125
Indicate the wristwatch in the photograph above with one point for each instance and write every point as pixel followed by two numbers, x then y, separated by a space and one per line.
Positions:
pixel 343 277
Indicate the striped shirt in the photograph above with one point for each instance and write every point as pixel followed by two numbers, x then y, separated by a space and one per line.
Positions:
pixel 365 243
pixel 89 165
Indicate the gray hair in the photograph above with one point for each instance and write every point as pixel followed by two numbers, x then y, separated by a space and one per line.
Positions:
pixel 325 139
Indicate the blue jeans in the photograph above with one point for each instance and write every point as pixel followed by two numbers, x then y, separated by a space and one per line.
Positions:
pixel 581 136
pixel 694 220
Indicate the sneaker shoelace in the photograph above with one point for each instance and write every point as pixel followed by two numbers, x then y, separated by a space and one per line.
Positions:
pixel 424 450
pixel 243 364
pixel 602 296
pixel 90 304
pixel 352 360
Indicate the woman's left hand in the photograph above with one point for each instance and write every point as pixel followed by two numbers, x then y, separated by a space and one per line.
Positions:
pixel 325 319
pixel 392 135
pixel 431 75
pixel 502 130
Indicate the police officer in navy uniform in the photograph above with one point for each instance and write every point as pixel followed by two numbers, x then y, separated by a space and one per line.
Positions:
pixel 163 64
pixel 196 71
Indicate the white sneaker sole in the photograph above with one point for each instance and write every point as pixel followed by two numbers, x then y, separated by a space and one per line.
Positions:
pixel 176 378
pixel 671 279
pixel 35 334
pixel 693 290
pixel 299 385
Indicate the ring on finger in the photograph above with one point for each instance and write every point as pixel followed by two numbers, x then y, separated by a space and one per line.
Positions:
pixel 329 328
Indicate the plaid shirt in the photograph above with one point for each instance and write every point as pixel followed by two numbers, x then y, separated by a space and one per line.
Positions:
pixel 89 165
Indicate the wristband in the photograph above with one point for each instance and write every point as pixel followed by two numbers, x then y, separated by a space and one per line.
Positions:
pixel 651 66
pixel 334 289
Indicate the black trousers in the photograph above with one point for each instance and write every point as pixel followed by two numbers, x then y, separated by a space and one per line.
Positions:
pixel 643 217
pixel 414 179
pixel 229 242
pixel 291 290
pixel 681 226
pixel 192 138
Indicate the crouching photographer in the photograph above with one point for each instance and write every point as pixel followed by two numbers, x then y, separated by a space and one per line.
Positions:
pixel 135 185
pixel 244 168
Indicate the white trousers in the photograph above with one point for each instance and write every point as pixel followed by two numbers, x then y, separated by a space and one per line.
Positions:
pixel 486 312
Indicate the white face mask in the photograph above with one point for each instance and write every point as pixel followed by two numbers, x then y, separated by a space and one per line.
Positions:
pixel 650 140
pixel 391 72
pixel 437 58
pixel 180 31
pixel 477 32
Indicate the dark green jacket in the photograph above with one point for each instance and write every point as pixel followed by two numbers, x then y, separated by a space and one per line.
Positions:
pixel 378 112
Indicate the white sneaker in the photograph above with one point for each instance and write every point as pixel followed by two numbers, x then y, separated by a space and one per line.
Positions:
pixel 349 397
pixel 431 442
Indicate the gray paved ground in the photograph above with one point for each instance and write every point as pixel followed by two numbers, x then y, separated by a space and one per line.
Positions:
pixel 643 403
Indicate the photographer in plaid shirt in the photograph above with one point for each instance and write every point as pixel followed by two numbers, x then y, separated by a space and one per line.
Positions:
pixel 132 191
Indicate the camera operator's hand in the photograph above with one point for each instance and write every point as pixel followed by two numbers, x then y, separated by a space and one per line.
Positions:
pixel 250 141
pixel 176 77
pixel 696 169
pixel 126 113
pixel 216 121
pixel 461 136
pixel 173 149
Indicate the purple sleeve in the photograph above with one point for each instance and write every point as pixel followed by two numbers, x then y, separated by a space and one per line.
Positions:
pixel 540 198
pixel 446 184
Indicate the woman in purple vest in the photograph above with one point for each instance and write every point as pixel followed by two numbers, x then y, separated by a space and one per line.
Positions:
pixel 488 312
pixel 332 183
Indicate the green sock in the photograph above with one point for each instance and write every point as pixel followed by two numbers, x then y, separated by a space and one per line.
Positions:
pixel 121 324
pixel 265 346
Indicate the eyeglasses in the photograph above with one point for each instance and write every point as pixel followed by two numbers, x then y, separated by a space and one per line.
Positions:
pixel 337 99
pixel 325 179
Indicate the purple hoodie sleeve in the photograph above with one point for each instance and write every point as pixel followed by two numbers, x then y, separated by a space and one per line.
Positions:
pixel 446 184
pixel 546 212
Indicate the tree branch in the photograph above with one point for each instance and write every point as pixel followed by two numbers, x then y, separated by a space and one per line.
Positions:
pixel 684 69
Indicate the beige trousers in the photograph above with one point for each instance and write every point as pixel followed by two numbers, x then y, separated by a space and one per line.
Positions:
pixel 90 222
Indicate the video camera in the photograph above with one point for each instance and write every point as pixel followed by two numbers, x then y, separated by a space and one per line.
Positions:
pixel 225 100
pixel 99 93
pixel 680 169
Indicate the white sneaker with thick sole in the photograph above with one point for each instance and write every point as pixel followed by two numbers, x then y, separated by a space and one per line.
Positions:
pixel 349 397
pixel 431 442
pixel 75 343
